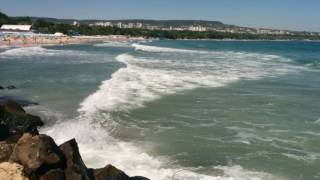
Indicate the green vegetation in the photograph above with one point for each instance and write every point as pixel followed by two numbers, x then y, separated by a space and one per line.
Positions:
pixel 4 19
pixel 43 26
pixel 47 27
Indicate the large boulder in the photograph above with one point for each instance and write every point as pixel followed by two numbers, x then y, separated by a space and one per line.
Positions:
pixel 4 132
pixel 12 171
pixel 6 150
pixel 139 178
pixel 54 174
pixel 16 121
pixel 38 154
pixel 76 169
pixel 110 173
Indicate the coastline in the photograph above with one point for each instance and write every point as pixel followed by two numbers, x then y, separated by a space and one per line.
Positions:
pixel 14 40
pixel 36 40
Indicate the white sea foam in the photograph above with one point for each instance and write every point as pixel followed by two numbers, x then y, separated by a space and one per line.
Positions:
pixel 159 49
pixel 141 82
pixel 37 51
pixel 144 80
pixel 98 149
pixel 113 44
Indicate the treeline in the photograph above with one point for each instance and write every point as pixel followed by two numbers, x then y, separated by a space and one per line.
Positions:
pixel 4 19
pixel 43 26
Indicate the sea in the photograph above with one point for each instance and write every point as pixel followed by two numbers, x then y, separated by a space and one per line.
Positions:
pixel 178 109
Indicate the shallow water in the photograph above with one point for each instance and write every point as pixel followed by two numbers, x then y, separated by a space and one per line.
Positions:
pixel 179 109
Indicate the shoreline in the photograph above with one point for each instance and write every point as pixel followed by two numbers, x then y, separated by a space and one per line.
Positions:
pixel 15 40
pixel 12 40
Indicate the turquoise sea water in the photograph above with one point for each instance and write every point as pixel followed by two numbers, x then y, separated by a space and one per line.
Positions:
pixel 179 109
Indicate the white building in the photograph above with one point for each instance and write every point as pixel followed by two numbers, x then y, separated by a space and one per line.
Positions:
pixel 197 28
pixel 18 28
pixel 139 25
pixel 119 25
pixel 75 23
pixel 103 24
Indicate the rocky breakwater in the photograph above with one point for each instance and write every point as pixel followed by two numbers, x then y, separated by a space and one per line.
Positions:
pixel 26 154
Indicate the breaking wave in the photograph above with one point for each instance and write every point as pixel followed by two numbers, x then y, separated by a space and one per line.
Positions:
pixel 143 80
pixel 148 48
pixel 113 44
pixel 38 51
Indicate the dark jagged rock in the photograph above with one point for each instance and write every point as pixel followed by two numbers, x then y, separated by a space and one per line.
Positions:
pixel 110 173
pixel 4 132
pixel 76 169
pixel 21 102
pixel 6 150
pixel 38 154
pixel 16 121
pixel 139 178
pixel 11 87
pixel 54 174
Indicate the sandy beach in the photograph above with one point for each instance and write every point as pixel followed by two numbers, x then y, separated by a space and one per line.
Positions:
pixel 32 40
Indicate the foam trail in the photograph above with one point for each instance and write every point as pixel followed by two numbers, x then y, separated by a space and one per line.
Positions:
pixel 159 49
pixel 37 51
pixel 113 44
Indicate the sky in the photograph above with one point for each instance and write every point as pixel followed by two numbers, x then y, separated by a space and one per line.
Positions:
pixel 278 14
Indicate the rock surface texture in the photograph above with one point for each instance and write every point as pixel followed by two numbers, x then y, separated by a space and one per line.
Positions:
pixel 75 169
pixel 11 171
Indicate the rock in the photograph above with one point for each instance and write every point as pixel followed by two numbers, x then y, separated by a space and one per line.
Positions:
pixel 76 169
pixel 5 151
pixel 110 173
pixel 13 117
pixel 11 87
pixel 37 153
pixel 4 132
pixel 1 87
pixel 21 102
pixel 12 171
pixel 139 178
pixel 54 174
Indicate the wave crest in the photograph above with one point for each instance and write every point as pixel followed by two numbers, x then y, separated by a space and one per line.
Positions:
pixel 38 51
pixel 159 49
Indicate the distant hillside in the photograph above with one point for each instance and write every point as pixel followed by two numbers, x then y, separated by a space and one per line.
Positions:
pixel 164 23
pixel 160 23
pixel 168 29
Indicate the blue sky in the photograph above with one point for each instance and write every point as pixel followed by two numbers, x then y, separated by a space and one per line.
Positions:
pixel 282 14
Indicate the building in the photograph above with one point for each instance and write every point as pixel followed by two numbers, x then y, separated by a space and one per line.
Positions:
pixel 103 24
pixel 15 28
pixel 197 28
pixel 119 24
pixel 76 23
